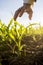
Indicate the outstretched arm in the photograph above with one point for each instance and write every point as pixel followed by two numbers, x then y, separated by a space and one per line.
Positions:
pixel 25 8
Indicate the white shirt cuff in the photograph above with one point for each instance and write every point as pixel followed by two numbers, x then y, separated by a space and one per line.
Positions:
pixel 29 1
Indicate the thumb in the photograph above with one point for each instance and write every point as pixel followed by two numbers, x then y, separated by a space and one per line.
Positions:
pixel 30 15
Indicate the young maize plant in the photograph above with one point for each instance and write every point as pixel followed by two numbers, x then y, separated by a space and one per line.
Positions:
pixel 16 40
pixel 11 37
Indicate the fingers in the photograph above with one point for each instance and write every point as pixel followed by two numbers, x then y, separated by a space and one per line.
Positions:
pixel 22 11
pixel 17 13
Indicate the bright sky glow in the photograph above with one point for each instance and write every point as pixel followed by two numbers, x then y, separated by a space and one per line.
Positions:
pixel 8 8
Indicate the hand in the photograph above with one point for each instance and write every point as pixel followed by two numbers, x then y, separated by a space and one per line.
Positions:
pixel 24 8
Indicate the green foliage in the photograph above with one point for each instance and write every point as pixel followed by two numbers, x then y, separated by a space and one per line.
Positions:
pixel 12 37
